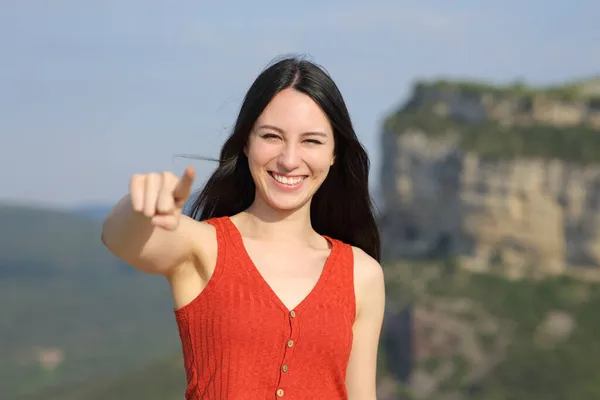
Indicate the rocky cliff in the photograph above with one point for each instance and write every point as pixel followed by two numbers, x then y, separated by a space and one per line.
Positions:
pixel 500 177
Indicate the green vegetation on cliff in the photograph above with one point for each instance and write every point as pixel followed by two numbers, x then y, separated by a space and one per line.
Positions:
pixel 567 92
pixel 493 141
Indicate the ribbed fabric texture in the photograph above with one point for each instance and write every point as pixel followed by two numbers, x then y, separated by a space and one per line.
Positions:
pixel 240 341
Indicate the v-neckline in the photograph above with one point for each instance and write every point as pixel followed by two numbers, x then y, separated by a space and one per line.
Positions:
pixel 239 243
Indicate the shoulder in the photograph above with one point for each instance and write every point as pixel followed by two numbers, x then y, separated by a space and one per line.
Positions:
pixel 369 280
pixel 367 271
pixel 197 230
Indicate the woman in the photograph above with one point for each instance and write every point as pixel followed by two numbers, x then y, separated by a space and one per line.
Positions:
pixel 275 277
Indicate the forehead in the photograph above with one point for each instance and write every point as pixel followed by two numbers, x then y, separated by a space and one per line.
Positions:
pixel 295 112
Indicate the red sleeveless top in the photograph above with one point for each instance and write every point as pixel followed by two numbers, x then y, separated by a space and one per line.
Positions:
pixel 240 342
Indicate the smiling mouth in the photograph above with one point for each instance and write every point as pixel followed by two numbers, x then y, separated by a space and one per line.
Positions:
pixel 287 180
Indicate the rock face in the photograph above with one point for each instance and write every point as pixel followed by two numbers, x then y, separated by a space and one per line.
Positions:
pixel 521 213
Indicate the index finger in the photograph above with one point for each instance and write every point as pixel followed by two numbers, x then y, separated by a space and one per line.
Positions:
pixel 184 186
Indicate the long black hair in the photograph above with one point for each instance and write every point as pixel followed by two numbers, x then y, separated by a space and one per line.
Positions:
pixel 342 207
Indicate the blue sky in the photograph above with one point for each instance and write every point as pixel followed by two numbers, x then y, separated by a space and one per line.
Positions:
pixel 91 92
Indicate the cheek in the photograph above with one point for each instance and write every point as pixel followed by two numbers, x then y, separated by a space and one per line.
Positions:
pixel 320 165
pixel 258 156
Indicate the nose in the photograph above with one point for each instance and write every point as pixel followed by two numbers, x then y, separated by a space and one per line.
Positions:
pixel 289 158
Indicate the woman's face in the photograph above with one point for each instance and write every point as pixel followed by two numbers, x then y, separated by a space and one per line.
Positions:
pixel 290 151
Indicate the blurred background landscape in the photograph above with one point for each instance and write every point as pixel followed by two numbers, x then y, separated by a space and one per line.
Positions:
pixel 482 121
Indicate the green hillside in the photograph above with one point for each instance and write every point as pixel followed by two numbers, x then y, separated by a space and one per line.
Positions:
pixel 489 338
pixel 477 336
pixel 161 380
pixel 486 337
pixel 63 292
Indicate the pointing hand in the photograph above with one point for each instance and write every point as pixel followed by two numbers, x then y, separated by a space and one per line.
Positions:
pixel 161 196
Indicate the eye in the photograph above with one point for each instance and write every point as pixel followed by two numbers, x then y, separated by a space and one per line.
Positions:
pixel 269 136
pixel 313 141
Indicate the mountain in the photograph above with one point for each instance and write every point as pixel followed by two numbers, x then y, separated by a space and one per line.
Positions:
pixel 500 177
pixel 490 210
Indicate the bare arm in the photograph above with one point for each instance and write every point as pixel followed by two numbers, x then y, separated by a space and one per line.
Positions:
pixel 146 228
pixel 370 294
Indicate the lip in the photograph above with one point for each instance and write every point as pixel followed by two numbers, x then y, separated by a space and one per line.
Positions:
pixel 286 187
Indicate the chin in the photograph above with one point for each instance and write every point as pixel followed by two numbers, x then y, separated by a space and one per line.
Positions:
pixel 286 202
pixel 285 206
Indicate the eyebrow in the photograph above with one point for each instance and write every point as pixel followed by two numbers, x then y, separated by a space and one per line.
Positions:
pixel 272 127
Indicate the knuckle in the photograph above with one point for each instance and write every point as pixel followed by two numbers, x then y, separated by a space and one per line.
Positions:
pixel 167 175
pixel 135 178
pixel 169 178
pixel 165 206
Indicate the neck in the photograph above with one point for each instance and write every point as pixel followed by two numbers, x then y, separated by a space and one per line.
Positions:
pixel 270 224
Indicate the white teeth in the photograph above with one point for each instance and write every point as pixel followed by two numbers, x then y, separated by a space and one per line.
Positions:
pixel 288 181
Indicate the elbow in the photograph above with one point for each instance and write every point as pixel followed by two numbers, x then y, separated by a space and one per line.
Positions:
pixel 111 243
pixel 105 236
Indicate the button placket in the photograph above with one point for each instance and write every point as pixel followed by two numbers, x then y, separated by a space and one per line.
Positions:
pixel 289 345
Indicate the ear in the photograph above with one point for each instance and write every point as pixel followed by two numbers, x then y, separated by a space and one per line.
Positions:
pixel 332 160
pixel 246 149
